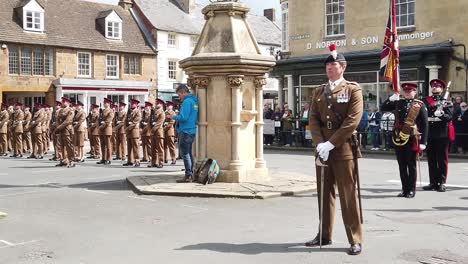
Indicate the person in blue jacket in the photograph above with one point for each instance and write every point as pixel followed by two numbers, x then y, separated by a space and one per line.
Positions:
pixel 186 127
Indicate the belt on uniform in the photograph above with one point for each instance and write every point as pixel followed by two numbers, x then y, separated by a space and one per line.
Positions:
pixel 329 125
pixel 434 119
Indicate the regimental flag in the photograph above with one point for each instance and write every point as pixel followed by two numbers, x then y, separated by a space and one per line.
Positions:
pixel 390 56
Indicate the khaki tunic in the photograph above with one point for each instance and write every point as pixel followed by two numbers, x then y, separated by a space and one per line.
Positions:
pixel 169 137
pixel 94 140
pixel 36 132
pixel 157 138
pixel 326 126
pixel 26 131
pixel 17 128
pixel 4 118
pixel 105 133
pixel 65 129
pixel 121 137
pixel 133 135
pixel 79 128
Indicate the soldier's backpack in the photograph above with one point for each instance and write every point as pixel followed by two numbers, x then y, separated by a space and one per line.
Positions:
pixel 206 172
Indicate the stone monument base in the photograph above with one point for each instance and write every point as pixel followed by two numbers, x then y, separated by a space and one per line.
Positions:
pixel 243 175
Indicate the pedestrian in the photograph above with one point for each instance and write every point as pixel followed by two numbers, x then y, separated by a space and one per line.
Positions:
pixel 334 115
pixel 64 131
pixel 362 128
pixel 79 130
pixel 276 117
pixel 386 126
pixel 407 142
pixel 287 125
pixel 304 121
pixel 374 127
pixel 133 134
pixel 105 132
pixel 460 123
pixel 169 135
pixel 439 112
pixel 157 134
pixel 121 137
pixel 186 127
pixel 267 114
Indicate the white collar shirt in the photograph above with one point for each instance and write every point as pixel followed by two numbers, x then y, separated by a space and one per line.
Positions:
pixel 335 83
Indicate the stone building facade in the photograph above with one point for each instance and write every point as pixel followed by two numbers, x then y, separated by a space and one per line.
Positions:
pixel 432 38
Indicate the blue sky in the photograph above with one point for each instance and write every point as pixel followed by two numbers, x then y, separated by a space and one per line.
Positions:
pixel 256 6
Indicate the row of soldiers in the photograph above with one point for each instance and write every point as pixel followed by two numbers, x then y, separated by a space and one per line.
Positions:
pixel 21 131
pixel 111 128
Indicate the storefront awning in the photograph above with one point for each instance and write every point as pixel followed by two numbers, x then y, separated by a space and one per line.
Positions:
pixel 102 85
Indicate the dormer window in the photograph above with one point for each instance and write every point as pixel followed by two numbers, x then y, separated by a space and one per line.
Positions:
pixel 32 15
pixel 111 23
pixel 113 30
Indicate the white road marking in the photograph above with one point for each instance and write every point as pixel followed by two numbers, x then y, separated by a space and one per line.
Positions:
pixel 96 191
pixel 141 198
pixel 13 194
pixel 6 242
pixel 426 183
pixel 19 244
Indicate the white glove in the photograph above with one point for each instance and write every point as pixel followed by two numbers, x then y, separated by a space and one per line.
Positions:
pixel 75 123
pixel 422 146
pixel 130 123
pixel 438 113
pixel 154 123
pixel 144 123
pixel 324 149
pixel 102 122
pixel 394 97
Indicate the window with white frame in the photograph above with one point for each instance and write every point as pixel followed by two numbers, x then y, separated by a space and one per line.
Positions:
pixel 335 24
pixel 405 13
pixel 13 60
pixel 193 41
pixel 26 61
pixel 132 65
pixel 114 30
pixel 172 69
pixel 171 40
pixel 33 20
pixel 112 66
pixel 84 64
pixel 285 29
pixel 38 62
pixel 30 61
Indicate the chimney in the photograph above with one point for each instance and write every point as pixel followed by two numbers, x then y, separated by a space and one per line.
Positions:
pixel 270 14
pixel 187 5
pixel 126 4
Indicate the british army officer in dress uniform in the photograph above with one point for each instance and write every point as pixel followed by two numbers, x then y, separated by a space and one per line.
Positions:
pixel 439 112
pixel 169 134
pixel 65 133
pixel 157 135
pixel 133 134
pixel 334 115
pixel 36 132
pixel 121 137
pixel 79 128
pixel 105 132
pixel 4 117
pixel 409 134
pixel 17 128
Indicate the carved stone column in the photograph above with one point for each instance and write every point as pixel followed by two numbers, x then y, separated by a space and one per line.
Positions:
pixel 201 83
pixel 259 82
pixel 235 82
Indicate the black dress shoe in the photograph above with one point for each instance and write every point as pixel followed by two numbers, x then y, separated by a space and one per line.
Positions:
pixel 128 164
pixel 144 160
pixel 166 161
pixel 107 162
pixel 116 159
pixel 173 162
pixel 13 156
pixel 101 162
pixel 429 187
pixel 402 194
pixel 61 164
pixel 159 166
pixel 316 242
pixel 441 188
pixel 40 157
pixel 31 157
pixel 410 194
pixel 355 249
pixel 137 164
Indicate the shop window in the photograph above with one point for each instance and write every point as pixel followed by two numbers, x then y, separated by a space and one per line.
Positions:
pixel 334 11
pixel 405 13
pixel 116 98
pixel 132 65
